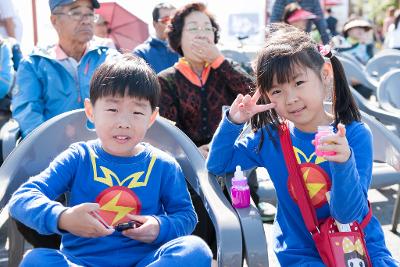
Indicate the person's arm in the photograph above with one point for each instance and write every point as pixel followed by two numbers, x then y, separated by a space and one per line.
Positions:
pixel 351 179
pixel 34 201
pixel 226 151
pixel 277 10
pixel 27 98
pixel 7 71
pixel 10 27
pixel 320 22
pixel 180 218
pixel 169 106
pixel 238 80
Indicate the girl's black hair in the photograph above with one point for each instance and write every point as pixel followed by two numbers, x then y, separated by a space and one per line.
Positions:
pixel 125 75
pixel 286 48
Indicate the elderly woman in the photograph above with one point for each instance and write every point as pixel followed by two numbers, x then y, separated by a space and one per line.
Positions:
pixel 196 88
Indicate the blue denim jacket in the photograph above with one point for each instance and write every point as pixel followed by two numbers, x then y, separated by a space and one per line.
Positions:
pixel 44 88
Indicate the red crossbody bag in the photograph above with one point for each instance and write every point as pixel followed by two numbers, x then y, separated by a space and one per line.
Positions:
pixel 337 249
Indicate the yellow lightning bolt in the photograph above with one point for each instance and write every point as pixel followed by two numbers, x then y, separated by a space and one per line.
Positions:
pixel 313 188
pixel 120 210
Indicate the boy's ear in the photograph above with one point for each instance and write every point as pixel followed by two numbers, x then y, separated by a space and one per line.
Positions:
pixel 88 109
pixel 153 117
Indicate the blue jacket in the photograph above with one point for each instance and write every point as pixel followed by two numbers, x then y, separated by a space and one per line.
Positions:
pixel 157 54
pixel 44 88
pixel 6 69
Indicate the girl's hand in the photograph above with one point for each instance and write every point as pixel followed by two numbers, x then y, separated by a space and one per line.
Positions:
pixel 79 221
pixel 337 143
pixel 245 107
pixel 147 232
pixel 205 50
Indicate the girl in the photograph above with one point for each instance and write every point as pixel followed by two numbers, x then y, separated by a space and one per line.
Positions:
pixel 293 80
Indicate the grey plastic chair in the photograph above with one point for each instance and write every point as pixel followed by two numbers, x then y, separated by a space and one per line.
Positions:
pixel 356 72
pixel 390 120
pixel 388 93
pixel 36 151
pixel 380 64
pixel 386 168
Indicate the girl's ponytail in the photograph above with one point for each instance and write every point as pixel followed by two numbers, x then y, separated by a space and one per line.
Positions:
pixel 345 108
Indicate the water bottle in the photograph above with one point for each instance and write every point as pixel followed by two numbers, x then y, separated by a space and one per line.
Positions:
pixel 240 190
pixel 323 131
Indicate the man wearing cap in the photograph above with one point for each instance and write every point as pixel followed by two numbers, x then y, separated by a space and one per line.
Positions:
pixel 155 50
pixel 312 6
pixel 56 79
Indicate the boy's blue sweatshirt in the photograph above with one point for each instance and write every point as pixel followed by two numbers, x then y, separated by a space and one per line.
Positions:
pixel 150 183
pixel 348 183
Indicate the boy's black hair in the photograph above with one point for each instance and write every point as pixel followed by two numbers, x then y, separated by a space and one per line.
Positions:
pixel 286 48
pixel 126 75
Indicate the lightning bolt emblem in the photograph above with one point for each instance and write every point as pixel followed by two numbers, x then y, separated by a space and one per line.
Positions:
pixel 313 188
pixel 113 207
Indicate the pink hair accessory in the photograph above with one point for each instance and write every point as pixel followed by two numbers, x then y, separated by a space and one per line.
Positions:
pixel 325 50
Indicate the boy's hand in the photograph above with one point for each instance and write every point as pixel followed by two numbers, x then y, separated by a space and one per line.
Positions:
pixel 147 232
pixel 245 107
pixel 78 221
pixel 337 143
pixel 204 150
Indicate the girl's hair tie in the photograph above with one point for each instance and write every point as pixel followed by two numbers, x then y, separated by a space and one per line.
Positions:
pixel 325 51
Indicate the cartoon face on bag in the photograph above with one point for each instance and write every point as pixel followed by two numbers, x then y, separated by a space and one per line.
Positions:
pixel 354 254
pixel 354 259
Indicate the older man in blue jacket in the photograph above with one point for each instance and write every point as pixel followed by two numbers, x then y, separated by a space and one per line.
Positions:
pixel 155 50
pixel 56 79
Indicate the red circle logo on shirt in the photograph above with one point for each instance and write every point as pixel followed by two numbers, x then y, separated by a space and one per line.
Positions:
pixel 317 183
pixel 116 202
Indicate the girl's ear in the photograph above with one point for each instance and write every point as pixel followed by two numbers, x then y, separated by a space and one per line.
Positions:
pixel 326 73
pixel 88 109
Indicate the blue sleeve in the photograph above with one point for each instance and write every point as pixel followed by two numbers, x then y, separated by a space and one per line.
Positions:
pixel 351 179
pixel 180 218
pixel 6 71
pixel 27 104
pixel 277 10
pixel 34 201
pixel 227 151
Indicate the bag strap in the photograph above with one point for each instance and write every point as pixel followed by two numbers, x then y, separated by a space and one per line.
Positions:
pixel 303 197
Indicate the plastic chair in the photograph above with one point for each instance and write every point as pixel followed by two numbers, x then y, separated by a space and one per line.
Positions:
pixel 386 168
pixel 379 65
pixel 390 120
pixel 355 72
pixel 48 140
pixel 388 93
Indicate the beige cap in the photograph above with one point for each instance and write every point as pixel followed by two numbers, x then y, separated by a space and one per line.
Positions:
pixel 356 23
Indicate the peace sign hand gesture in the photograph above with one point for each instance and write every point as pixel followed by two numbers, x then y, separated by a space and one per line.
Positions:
pixel 245 107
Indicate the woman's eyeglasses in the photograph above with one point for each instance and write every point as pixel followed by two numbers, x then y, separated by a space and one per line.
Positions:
pixel 207 29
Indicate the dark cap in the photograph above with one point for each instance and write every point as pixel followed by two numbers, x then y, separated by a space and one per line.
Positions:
pixel 55 3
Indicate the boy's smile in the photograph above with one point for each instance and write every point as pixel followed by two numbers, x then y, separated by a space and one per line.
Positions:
pixel 121 123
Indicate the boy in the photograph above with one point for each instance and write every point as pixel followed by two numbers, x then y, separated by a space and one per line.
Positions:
pixel 112 180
